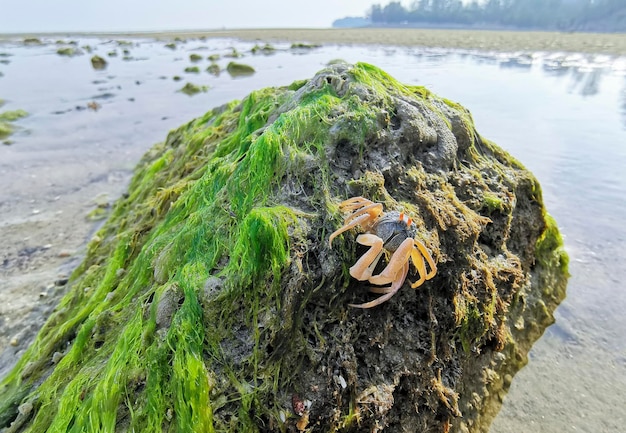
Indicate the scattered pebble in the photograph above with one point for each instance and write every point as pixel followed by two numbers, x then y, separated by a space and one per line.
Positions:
pixel 14 341
pixel 25 408
pixel 56 357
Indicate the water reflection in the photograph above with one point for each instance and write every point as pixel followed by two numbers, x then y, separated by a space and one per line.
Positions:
pixel 623 104
pixel 587 83
pixel 524 61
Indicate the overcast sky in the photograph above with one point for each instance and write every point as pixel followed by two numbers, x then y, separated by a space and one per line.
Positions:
pixel 123 15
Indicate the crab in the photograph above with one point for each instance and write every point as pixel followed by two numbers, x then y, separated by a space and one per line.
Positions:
pixel 391 232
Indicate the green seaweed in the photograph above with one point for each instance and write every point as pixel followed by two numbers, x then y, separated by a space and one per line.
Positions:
pixel 6 129
pixel 550 250
pixel 492 202
pixel 13 115
pixel 303 45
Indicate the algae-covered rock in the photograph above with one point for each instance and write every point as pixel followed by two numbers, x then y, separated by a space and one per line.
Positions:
pixel 98 62
pixel 6 129
pixel 192 89
pixel 211 300
pixel 6 117
pixel 32 41
pixel 214 69
pixel 12 115
pixel 239 69
pixel 305 46
pixel 192 69
pixel 263 49
pixel 69 51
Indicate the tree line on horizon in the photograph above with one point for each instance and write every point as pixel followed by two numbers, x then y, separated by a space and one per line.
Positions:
pixel 566 15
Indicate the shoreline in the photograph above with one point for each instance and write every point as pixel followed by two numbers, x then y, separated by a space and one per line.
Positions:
pixel 483 40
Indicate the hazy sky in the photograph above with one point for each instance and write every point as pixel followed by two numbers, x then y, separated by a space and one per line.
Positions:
pixel 120 15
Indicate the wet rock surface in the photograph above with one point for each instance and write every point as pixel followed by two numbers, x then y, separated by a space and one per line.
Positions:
pixel 215 299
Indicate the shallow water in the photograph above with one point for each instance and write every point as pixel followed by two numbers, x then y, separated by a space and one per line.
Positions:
pixel 562 115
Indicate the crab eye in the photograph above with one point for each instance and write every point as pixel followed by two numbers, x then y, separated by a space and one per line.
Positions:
pixel 408 220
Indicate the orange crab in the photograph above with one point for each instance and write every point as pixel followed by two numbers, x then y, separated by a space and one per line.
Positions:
pixel 393 232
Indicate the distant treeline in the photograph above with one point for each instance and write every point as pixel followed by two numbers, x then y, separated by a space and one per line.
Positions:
pixel 566 15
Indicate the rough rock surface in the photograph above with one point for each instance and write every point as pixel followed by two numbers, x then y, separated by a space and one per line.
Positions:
pixel 211 300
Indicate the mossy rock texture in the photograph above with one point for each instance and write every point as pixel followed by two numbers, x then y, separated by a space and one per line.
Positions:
pixel 211 300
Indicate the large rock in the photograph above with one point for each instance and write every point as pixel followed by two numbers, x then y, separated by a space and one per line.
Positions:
pixel 211 299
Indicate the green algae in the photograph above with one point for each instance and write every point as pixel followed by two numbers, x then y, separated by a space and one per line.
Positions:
pixel 200 305
pixel 550 249
pixel 13 115
pixel 195 57
pixel 192 69
pixel 6 119
pixel 492 202
pixel 303 45
pixel 6 129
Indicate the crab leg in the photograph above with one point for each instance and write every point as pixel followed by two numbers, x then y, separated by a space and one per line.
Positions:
pixel 361 217
pixel 417 256
pixel 354 203
pixel 355 222
pixel 389 291
pixel 399 258
pixel 373 210
pixel 363 268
